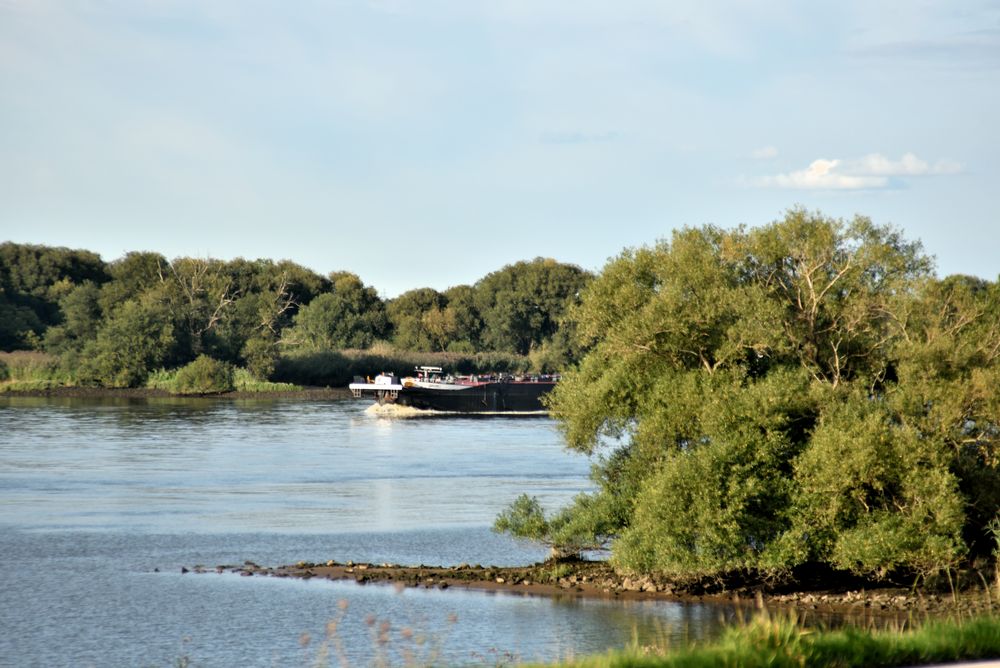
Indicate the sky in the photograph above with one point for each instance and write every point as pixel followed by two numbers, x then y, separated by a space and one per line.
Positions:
pixel 429 143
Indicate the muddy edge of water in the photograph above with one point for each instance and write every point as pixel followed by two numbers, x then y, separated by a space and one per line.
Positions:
pixel 306 393
pixel 597 579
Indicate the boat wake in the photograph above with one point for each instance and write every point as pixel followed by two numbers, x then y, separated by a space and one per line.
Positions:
pixel 401 411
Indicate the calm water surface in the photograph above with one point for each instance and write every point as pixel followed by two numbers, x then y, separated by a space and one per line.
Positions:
pixel 103 501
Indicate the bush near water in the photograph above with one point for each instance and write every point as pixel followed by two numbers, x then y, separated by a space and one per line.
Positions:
pixel 204 376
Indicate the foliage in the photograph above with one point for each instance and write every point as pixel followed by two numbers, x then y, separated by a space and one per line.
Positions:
pixel 521 305
pixel 516 309
pixel 351 316
pixel 260 354
pixel 804 391
pixel 876 494
pixel 466 323
pixel 417 320
pixel 131 276
pixel 245 312
pixel 32 367
pixel 81 318
pixel 162 379
pixel 19 325
pixel 245 381
pixel 138 337
pixel 524 518
pixel 568 533
pixel 204 375
pixel 34 278
pixel 721 502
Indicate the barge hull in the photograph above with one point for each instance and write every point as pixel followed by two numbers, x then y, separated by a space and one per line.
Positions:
pixel 513 397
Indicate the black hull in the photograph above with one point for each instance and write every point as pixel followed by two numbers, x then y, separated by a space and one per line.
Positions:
pixel 510 397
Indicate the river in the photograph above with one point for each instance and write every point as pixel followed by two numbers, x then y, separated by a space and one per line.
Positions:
pixel 104 501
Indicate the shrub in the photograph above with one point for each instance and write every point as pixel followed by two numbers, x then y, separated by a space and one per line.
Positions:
pixel 205 375
pixel 244 381
pixel 261 356
pixel 26 365
pixel 138 337
pixel 162 380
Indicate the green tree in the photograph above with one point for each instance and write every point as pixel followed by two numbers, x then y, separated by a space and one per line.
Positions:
pixel 267 296
pixel 19 325
pixel 260 355
pixel 467 323
pixel 735 382
pixel 131 276
pixel 81 313
pixel 948 368
pixel 137 337
pixel 198 293
pixel 875 494
pixel 33 280
pixel 350 316
pixel 521 305
pixel 406 314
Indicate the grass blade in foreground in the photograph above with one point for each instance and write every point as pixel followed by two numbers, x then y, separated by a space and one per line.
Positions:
pixel 783 642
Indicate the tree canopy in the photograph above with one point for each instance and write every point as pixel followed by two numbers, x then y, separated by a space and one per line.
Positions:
pixel 806 391
pixel 114 323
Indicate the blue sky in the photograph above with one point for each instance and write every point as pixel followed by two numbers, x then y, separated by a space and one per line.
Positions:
pixel 429 143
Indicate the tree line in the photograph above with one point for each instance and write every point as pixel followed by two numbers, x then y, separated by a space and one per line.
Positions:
pixel 755 400
pixel 759 400
pixel 113 323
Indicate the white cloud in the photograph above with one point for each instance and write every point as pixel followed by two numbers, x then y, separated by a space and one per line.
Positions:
pixel 765 153
pixel 872 171
pixel 823 175
pixel 909 165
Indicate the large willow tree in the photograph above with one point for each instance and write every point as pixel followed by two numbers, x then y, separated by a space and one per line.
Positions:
pixel 802 392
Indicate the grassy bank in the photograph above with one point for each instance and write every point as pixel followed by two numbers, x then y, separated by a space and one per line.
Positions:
pixel 28 371
pixel 38 372
pixel 242 381
pixel 777 642
pixel 25 371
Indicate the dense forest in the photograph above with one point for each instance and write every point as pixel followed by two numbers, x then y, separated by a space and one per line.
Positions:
pixel 763 400
pixel 123 323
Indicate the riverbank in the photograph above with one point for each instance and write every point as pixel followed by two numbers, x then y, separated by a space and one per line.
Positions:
pixel 79 392
pixel 597 579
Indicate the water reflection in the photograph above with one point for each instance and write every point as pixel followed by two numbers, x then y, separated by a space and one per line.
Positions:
pixel 97 496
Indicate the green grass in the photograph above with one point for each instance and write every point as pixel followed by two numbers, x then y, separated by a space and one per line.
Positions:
pixel 777 642
pixel 23 371
pixel 244 381
pixel 162 380
pixel 29 385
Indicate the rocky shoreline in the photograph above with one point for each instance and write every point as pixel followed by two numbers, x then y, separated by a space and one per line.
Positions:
pixel 597 579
